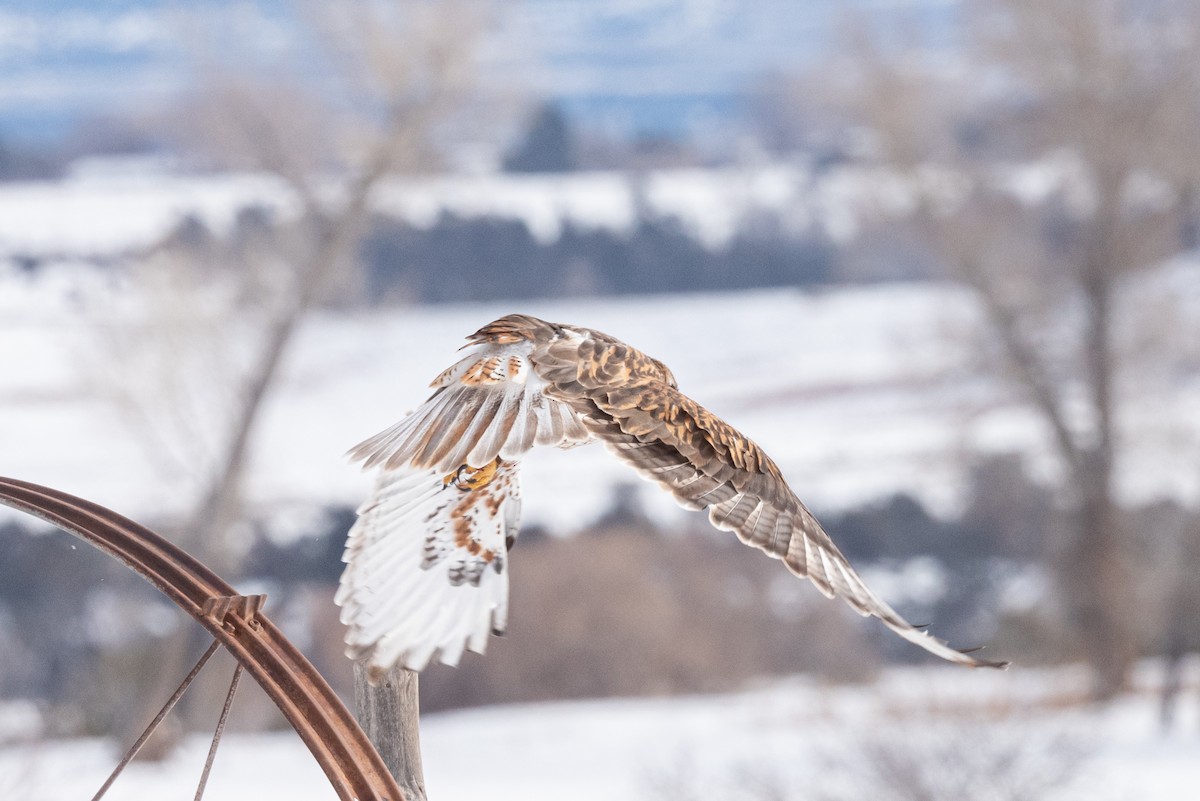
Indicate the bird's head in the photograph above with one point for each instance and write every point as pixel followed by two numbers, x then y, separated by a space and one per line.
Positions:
pixel 667 375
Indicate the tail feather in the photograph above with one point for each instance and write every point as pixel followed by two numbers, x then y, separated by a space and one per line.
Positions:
pixel 418 586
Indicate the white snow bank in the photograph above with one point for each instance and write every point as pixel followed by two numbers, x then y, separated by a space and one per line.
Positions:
pixel 792 731
pixel 857 394
pixel 97 212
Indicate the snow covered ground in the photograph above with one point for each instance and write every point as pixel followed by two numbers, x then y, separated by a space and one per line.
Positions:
pixel 106 207
pixel 990 730
pixel 858 393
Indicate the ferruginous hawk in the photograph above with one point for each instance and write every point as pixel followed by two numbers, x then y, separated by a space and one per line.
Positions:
pixel 427 560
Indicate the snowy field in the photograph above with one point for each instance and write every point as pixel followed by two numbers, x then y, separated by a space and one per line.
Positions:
pixel 110 206
pixel 857 393
pixel 995 732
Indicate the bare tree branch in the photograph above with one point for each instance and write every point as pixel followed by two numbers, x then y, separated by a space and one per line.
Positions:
pixel 1111 86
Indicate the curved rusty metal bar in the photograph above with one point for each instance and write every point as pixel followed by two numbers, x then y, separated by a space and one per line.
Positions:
pixel 351 763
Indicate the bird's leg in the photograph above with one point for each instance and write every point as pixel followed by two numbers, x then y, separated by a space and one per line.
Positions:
pixel 472 478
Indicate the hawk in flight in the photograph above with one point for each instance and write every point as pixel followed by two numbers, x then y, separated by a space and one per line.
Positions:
pixel 427 560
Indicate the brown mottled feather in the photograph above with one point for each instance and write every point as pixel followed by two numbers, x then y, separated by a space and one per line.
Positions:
pixel 631 402
pixel 588 384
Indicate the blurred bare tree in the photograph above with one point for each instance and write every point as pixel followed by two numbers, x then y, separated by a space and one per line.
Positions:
pixel 1045 175
pixel 405 67
pixel 197 348
pixel 1179 601
pixel 197 343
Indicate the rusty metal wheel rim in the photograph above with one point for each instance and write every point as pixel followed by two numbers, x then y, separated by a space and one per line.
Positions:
pixel 352 765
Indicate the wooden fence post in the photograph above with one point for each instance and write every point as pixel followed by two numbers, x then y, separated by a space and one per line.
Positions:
pixel 388 712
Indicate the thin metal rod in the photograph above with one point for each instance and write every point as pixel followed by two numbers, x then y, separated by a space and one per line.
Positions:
pixel 162 713
pixel 216 740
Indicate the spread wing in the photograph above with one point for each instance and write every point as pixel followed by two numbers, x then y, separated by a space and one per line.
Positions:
pixel 426 573
pixel 707 464
pixel 490 404
pixel 427 568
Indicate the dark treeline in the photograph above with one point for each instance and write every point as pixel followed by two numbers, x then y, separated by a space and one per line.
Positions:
pixel 487 258
pixel 467 259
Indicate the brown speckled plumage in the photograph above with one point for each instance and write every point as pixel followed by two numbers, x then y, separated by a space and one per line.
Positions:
pixel 529 382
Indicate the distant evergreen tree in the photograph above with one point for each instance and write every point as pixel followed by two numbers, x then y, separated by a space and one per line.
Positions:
pixel 487 258
pixel 548 144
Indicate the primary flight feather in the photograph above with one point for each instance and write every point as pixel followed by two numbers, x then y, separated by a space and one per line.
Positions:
pixel 427 560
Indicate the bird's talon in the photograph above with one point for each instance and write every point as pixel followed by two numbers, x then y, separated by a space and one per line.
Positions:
pixel 468 478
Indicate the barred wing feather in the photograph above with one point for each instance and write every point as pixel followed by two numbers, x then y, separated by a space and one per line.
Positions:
pixel 490 403
pixel 707 464
pixel 427 572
